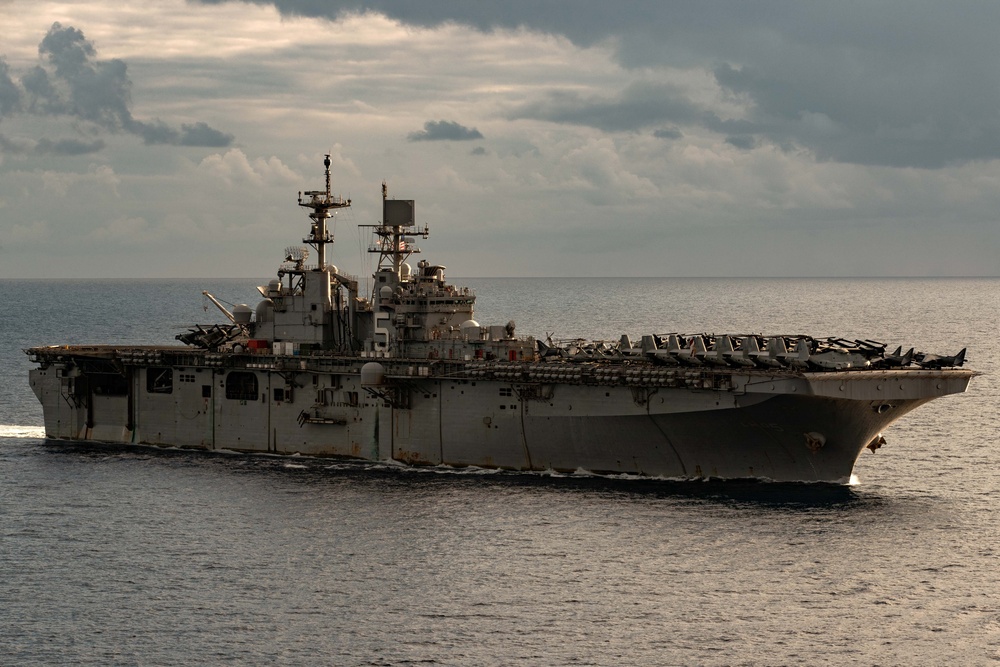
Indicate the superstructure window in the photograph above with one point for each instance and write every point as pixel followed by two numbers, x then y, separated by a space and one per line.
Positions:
pixel 159 380
pixel 241 386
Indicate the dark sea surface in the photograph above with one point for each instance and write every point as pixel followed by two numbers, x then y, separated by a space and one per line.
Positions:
pixel 116 556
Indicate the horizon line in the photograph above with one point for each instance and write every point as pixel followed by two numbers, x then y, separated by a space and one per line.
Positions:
pixel 591 277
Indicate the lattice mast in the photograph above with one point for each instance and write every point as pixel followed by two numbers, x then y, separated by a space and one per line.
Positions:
pixel 394 242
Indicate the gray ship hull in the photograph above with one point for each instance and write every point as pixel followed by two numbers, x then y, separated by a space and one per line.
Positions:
pixel 408 375
pixel 683 424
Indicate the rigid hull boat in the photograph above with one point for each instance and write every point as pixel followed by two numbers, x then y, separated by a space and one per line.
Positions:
pixel 407 374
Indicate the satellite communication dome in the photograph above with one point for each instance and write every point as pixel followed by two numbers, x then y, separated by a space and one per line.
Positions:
pixel 242 314
pixel 264 310
pixel 385 292
pixel 372 374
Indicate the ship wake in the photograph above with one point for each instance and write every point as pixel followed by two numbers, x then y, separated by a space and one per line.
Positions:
pixel 16 431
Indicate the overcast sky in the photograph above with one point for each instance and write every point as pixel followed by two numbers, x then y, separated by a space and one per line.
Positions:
pixel 647 138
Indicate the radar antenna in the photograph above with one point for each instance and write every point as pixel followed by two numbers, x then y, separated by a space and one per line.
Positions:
pixel 297 254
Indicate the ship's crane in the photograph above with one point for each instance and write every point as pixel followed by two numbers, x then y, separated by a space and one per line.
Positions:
pixel 218 304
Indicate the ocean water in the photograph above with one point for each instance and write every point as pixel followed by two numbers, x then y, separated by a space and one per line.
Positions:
pixel 116 556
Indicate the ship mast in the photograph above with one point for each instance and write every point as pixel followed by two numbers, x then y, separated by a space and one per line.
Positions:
pixel 322 204
pixel 393 245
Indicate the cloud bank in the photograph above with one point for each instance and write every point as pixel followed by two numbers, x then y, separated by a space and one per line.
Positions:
pixel 902 83
pixel 71 82
pixel 650 138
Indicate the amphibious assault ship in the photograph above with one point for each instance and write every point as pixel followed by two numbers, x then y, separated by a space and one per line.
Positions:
pixel 407 374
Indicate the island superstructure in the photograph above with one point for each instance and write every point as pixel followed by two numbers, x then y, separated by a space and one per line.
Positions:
pixel 407 374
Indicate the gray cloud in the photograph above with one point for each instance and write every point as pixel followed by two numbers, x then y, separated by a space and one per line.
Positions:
pixel 906 83
pixel 97 91
pixel 668 133
pixel 639 106
pixel 42 96
pixel 67 147
pixel 10 94
pixel 8 145
pixel 156 132
pixel 743 142
pixel 196 134
pixel 200 134
pixel 480 14
pixel 444 130
pixel 891 122
pixel 75 84
pixel 20 146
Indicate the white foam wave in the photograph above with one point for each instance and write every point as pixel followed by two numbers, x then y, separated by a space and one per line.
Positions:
pixel 15 431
